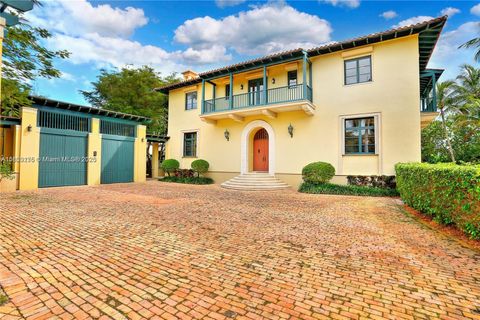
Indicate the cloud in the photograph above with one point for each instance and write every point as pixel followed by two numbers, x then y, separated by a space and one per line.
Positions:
pixel 412 20
pixel 343 3
pixel 260 30
pixel 101 35
pixel 228 3
pixel 475 10
pixel 448 56
pixel 390 14
pixel 449 11
pixel 76 17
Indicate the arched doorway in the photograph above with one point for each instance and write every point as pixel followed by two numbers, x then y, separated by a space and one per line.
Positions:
pixel 260 150
pixel 247 145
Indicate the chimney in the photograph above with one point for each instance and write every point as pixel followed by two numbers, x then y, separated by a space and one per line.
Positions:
pixel 189 74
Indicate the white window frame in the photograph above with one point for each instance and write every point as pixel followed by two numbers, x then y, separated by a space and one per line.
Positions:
pixel 377 119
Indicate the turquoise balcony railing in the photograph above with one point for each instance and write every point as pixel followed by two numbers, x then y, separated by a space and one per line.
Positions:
pixel 258 98
pixel 428 105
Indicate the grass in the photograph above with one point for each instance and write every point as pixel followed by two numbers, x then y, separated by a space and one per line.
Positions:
pixel 330 188
pixel 187 180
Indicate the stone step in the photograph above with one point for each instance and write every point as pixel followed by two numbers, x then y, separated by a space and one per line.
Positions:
pixel 255 181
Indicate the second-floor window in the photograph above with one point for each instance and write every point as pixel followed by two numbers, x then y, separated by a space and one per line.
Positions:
pixel 190 144
pixel 360 136
pixel 191 100
pixel 358 70
pixel 292 78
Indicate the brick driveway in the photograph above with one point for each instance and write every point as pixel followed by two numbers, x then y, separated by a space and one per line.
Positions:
pixel 170 251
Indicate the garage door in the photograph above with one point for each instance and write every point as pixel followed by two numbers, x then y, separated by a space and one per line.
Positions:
pixel 117 159
pixel 63 148
pixel 117 151
pixel 62 160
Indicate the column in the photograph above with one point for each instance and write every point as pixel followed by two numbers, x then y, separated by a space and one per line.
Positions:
pixel 94 164
pixel 155 160
pixel 140 158
pixel 29 149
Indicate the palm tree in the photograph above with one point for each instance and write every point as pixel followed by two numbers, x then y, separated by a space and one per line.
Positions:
pixel 446 97
pixel 474 43
pixel 467 87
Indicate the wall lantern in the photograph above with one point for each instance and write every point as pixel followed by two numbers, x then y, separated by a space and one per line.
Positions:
pixel 227 135
pixel 29 128
pixel 143 140
pixel 241 87
pixel 273 80
pixel 290 130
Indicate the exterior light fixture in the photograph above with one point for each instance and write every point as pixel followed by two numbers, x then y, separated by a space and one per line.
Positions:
pixel 290 130
pixel 241 87
pixel 143 140
pixel 227 135
pixel 29 128
pixel 273 80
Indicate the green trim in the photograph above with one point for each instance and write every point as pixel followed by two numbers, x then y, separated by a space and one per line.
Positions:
pixel 118 138
pixel 357 69
pixel 63 132
pixel 9 122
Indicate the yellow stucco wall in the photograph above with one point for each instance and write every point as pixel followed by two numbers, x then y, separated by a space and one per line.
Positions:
pixel 29 150
pixel 94 167
pixel 140 158
pixel 392 96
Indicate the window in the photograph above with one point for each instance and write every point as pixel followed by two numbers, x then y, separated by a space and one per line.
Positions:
pixel 191 100
pixel 227 92
pixel 358 70
pixel 360 136
pixel 292 78
pixel 190 144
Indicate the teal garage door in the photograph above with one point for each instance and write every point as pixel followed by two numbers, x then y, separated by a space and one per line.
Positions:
pixel 62 159
pixel 117 159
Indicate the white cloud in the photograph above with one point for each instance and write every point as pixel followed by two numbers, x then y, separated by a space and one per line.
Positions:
pixel 475 10
pixel 228 3
pixel 412 20
pixel 449 11
pixel 390 14
pixel 77 17
pixel 100 35
pixel 260 30
pixel 447 55
pixel 343 3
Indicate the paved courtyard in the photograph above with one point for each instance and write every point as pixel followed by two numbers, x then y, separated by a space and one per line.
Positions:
pixel 167 251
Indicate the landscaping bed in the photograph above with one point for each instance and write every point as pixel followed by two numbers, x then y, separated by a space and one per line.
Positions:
pixel 188 180
pixel 330 188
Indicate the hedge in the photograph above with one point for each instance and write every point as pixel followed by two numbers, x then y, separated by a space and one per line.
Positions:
pixel 318 172
pixel 330 188
pixel 449 193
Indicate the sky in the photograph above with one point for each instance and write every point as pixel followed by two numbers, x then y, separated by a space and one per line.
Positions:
pixel 173 36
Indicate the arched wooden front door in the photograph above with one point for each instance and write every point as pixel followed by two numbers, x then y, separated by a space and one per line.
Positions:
pixel 260 150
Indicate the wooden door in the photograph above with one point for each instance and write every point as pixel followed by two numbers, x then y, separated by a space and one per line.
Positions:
pixel 260 150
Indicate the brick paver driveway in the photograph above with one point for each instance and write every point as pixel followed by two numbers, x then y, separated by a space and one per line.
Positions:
pixel 170 251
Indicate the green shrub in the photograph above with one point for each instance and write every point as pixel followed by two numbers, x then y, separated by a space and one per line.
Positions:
pixel 188 180
pixel 449 193
pixel 170 165
pixel 330 188
pixel 200 166
pixel 6 171
pixel 318 172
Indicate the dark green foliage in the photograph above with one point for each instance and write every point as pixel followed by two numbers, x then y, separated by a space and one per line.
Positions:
pixel 188 180
pixel 318 172
pixel 330 188
pixel 130 90
pixel 170 165
pixel 25 58
pixel 184 173
pixel 465 140
pixel 6 171
pixel 386 182
pixel 449 193
pixel 200 166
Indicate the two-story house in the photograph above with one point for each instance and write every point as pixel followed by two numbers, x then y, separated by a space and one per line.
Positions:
pixel 358 104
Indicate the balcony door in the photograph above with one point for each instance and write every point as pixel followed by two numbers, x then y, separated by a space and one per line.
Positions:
pixel 255 88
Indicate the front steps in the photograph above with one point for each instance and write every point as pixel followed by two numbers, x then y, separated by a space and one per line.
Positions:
pixel 255 181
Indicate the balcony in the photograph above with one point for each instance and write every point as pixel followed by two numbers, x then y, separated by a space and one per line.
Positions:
pixel 269 103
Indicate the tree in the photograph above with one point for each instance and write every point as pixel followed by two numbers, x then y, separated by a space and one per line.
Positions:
pixel 130 90
pixel 474 43
pixel 25 59
pixel 445 100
